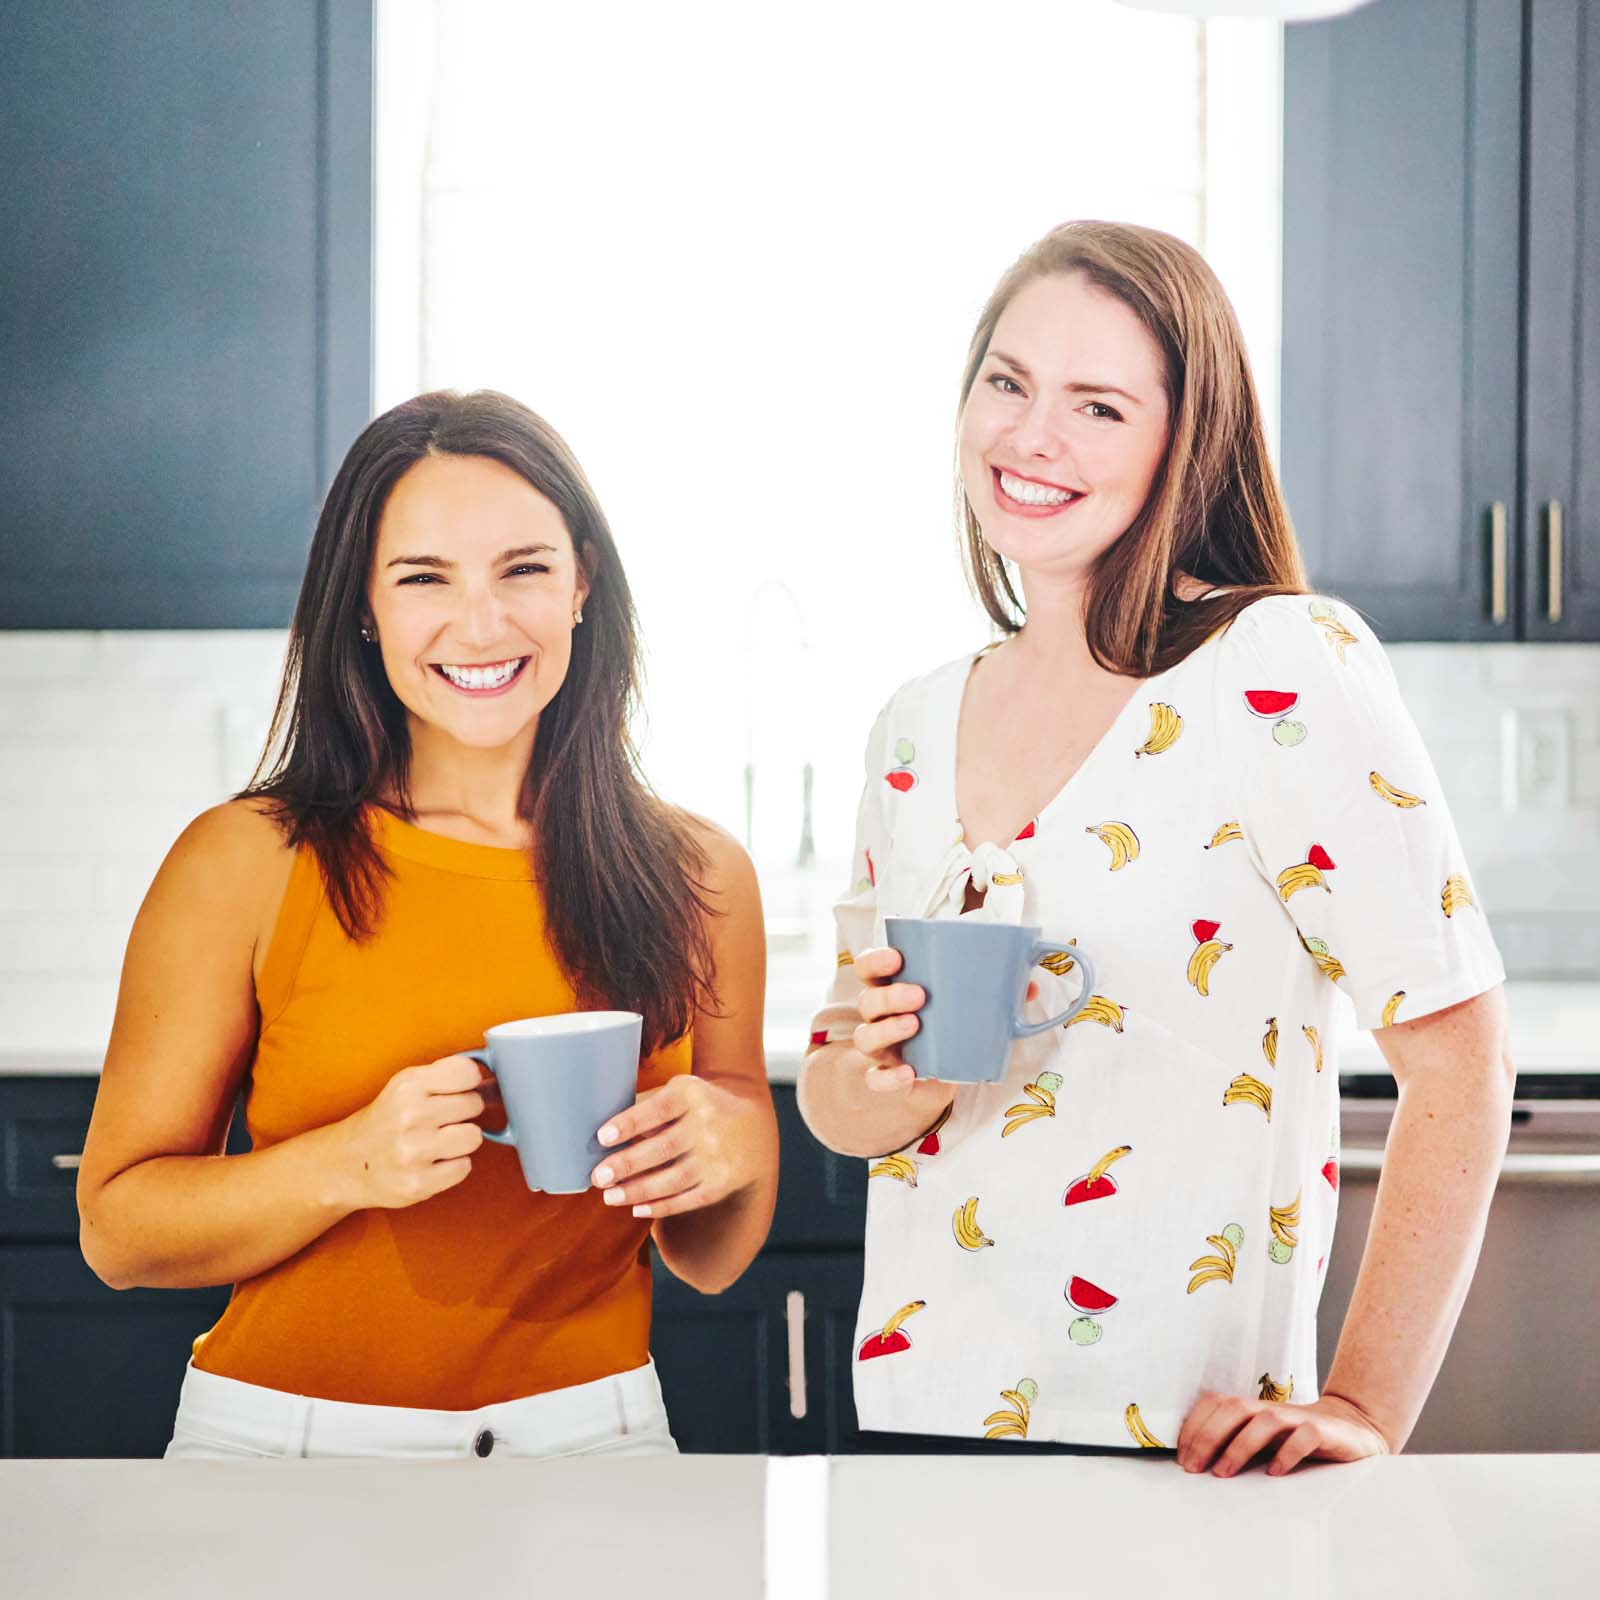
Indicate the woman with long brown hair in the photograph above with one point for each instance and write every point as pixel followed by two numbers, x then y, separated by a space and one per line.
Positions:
pixel 448 832
pixel 1178 759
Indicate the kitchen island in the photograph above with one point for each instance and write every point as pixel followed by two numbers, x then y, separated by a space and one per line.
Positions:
pixel 723 1528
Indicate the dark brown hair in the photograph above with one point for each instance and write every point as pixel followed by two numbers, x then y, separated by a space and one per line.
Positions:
pixel 1214 510
pixel 621 873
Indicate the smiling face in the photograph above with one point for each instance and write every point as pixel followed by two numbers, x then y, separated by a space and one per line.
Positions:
pixel 472 594
pixel 1065 425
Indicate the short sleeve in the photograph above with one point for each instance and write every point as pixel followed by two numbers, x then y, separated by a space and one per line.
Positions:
pixel 1342 812
pixel 855 913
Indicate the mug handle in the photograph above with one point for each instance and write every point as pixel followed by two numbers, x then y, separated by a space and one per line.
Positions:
pixel 510 1134
pixel 1026 1030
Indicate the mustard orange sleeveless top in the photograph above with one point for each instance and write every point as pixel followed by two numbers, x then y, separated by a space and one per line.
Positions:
pixel 486 1292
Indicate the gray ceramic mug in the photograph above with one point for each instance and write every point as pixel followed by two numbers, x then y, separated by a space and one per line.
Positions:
pixel 975 975
pixel 562 1078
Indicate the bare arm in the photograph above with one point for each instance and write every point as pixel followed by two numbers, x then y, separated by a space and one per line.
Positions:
pixel 704 1153
pixel 857 1096
pixel 1440 1166
pixel 159 1204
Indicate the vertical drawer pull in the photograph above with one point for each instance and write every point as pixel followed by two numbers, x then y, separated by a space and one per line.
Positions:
pixel 1552 514
pixel 67 1163
pixel 795 1312
pixel 1499 603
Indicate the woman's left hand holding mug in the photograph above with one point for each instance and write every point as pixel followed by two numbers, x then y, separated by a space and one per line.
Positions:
pixel 683 1148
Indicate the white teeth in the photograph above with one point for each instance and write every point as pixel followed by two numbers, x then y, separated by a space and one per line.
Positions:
pixel 1034 494
pixel 482 677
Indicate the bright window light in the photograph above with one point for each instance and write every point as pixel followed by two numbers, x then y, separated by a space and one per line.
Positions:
pixel 734 254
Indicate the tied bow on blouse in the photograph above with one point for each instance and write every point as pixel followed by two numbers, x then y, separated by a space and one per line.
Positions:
pixel 993 872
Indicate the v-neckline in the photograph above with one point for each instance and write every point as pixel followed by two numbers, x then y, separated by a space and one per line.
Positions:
pixel 953 765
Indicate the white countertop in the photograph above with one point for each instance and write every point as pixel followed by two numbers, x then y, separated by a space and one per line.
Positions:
pixel 670 1528
pixel 1411 1527
pixel 732 1527
pixel 1555 1027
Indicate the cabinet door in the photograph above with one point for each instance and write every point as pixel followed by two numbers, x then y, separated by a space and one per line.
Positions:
pixel 822 1196
pixel 1561 493
pixel 833 1299
pixel 723 1363
pixel 187 261
pixel 43 1124
pixel 43 1121
pixel 1402 136
pixel 729 1363
pixel 86 1370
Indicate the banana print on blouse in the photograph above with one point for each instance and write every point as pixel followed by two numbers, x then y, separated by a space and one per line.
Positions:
pixel 1218 1268
pixel 1208 951
pixel 1012 1423
pixel 965 1225
pixel 1326 617
pixel 1166 728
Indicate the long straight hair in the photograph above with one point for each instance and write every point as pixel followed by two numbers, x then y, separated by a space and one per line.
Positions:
pixel 622 875
pixel 1214 509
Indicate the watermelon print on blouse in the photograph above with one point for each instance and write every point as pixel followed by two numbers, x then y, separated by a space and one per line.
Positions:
pixel 1274 706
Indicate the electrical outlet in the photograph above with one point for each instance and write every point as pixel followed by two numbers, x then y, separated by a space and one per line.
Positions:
pixel 1535 758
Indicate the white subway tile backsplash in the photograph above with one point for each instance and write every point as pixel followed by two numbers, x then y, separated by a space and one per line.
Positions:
pixel 241 735
pixel 1548 944
pixel 1570 669
pixel 56 1013
pixel 251 661
pixel 121 882
pixel 87 823
pixel 1555 879
pixel 26 656
pixel 59 769
pixel 1469 774
pixel 52 766
pixel 35 883
pixel 1586 774
pixel 111 714
pixel 1437 671
pixel 86 944
pixel 111 743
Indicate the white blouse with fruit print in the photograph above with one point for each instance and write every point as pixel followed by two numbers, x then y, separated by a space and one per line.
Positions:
pixel 1142 1209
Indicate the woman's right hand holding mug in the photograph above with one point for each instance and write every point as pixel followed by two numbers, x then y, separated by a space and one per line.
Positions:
pixel 416 1139
pixel 889 1017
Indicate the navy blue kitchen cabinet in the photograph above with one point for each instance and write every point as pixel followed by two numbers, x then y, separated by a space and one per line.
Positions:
pixel 1560 506
pixel 1440 359
pixel 185 302
pixel 84 1370
pixel 731 1364
pixel 91 1371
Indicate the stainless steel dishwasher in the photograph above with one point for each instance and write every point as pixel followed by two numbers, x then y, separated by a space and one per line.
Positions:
pixel 1523 1370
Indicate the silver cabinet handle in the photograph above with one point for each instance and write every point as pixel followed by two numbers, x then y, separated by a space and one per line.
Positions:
pixel 1499 603
pixel 67 1163
pixel 1515 1165
pixel 795 1312
pixel 1552 514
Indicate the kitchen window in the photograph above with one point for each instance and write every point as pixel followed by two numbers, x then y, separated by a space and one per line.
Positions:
pixel 734 255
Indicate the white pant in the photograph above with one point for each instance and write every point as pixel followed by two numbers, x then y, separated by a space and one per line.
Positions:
pixel 221 1419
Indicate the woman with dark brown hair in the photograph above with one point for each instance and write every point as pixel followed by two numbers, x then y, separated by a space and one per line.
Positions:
pixel 448 832
pixel 1179 760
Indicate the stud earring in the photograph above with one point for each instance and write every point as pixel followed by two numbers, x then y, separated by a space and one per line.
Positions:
pixel 367 635
pixel 577 616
